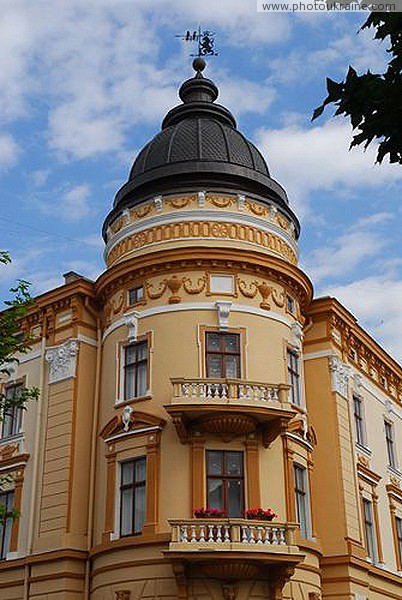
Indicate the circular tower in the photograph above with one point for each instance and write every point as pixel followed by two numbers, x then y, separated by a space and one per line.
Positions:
pixel 202 414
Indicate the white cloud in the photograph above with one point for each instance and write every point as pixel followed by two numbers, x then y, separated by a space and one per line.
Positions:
pixel 8 151
pixel 94 64
pixel 344 254
pixel 85 268
pixel 376 301
pixel 39 177
pixel 254 97
pixel 236 20
pixel 333 60
pixel 95 240
pixel 74 204
pixel 317 158
pixel 83 136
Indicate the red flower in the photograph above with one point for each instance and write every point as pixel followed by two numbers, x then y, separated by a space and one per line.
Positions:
pixel 209 512
pixel 260 513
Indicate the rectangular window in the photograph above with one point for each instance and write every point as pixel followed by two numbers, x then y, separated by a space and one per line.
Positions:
pixel 358 415
pixel 398 522
pixel 135 370
pixel 135 295
pixel 290 303
pixel 371 544
pixel 132 496
pixel 11 423
pixel 294 377
pixel 302 500
pixel 223 355
pixel 225 481
pixel 389 437
pixel 6 501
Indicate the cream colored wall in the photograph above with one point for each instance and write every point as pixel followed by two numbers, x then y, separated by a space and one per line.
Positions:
pixel 176 353
pixel 328 506
pixel 29 368
pixel 377 406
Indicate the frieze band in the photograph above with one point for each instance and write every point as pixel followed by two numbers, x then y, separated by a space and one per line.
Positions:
pixel 204 230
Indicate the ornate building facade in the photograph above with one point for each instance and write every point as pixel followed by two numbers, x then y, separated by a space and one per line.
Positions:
pixel 196 381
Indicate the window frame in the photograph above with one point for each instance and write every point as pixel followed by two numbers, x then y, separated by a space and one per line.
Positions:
pixel 290 305
pixel 133 485
pixel 390 444
pixel 6 529
pixel 134 290
pixel 359 420
pixel 223 353
pixel 226 478
pixel 398 538
pixel 294 376
pixel 302 501
pixel 124 397
pixel 14 416
pixel 370 530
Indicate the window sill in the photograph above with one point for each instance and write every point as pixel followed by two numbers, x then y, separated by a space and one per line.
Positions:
pixel 120 403
pixel 363 449
pixel 16 437
pixel 394 470
pixel 116 536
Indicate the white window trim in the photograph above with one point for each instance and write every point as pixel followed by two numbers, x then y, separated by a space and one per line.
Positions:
pixel 309 525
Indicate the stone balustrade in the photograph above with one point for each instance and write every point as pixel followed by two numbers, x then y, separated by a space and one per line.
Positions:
pixel 230 391
pixel 225 534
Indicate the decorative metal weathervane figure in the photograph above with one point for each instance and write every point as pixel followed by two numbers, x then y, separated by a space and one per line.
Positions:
pixel 204 39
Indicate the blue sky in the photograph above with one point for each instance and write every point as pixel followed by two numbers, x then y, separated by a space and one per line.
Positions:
pixel 84 84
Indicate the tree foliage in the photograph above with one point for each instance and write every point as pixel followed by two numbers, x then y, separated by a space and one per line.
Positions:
pixel 13 343
pixel 374 101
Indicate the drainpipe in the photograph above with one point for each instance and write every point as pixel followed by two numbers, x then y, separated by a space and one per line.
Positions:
pixel 94 435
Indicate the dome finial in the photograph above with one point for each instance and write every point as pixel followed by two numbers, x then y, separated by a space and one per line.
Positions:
pixel 199 65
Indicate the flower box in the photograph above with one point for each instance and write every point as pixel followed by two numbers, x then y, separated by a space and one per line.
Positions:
pixel 208 513
pixel 259 514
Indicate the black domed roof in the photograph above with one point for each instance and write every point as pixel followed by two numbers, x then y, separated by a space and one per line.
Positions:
pixel 199 139
pixel 201 148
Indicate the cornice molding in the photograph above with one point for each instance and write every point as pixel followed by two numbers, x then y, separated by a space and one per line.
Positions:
pixel 186 306
pixel 198 257
pixel 344 332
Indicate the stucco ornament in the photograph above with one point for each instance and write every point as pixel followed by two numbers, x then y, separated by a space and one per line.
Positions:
pixel 132 325
pixel 158 203
pixel 223 309
pixel 241 199
pixel 62 360
pixel 297 335
pixel 357 381
pixel 201 199
pixel 340 374
pixel 126 417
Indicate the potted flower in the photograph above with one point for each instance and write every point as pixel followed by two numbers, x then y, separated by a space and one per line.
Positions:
pixel 207 513
pixel 260 514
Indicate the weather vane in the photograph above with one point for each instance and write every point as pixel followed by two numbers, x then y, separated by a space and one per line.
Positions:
pixel 205 41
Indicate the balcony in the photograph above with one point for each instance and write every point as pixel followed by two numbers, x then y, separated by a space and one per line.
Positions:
pixel 229 408
pixel 232 550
